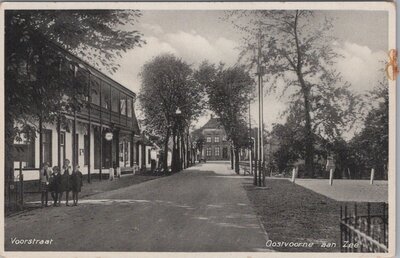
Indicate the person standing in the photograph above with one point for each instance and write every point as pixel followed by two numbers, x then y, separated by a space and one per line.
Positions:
pixel 76 184
pixel 55 184
pixel 65 182
pixel 44 184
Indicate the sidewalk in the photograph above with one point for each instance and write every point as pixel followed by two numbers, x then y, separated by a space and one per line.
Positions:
pixel 346 190
pixel 32 200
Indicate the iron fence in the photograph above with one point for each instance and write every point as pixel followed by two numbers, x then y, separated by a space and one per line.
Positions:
pixel 362 232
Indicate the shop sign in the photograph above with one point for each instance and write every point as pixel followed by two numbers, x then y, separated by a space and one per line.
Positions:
pixel 109 136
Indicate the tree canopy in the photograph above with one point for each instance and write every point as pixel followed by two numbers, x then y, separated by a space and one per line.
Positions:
pixel 229 91
pixel 370 147
pixel 298 53
pixel 168 85
pixel 97 36
pixel 40 80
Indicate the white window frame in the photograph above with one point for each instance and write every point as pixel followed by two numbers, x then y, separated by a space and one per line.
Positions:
pixel 217 153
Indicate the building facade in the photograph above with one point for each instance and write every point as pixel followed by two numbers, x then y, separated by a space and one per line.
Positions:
pixel 216 146
pixel 101 138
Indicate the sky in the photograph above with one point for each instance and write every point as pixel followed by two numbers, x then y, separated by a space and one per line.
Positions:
pixel 362 41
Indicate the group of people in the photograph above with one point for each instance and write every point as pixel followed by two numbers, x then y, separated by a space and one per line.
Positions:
pixel 57 181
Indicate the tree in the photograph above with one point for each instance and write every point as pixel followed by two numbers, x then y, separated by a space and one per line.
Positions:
pixel 288 140
pixel 299 54
pixel 199 140
pixel 371 146
pixel 229 91
pixel 168 85
pixel 41 83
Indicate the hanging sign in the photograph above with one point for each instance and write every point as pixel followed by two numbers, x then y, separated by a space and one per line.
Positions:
pixel 108 136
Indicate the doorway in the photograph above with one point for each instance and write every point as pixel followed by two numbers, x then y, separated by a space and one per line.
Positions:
pixel 225 153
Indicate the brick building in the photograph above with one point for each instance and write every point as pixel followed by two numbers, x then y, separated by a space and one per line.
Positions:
pixel 216 145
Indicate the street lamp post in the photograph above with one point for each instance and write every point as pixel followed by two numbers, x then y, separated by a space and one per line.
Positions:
pixel 177 161
pixel 260 72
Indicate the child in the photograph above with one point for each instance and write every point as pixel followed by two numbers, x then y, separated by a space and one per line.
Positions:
pixel 76 184
pixel 54 187
pixel 44 183
pixel 65 184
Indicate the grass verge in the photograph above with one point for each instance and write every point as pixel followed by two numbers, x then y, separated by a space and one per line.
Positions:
pixel 292 213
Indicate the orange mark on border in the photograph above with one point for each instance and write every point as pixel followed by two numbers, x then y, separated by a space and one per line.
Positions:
pixel 392 68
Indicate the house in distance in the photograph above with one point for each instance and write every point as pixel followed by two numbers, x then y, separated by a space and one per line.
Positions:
pixel 216 146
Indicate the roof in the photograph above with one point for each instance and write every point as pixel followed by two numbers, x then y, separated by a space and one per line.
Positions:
pixel 213 123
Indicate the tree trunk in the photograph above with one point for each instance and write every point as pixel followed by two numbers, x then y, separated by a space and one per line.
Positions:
pixel 165 159
pixel 9 159
pixel 173 160
pixel 232 157
pixel 309 139
pixel 178 153
pixel 237 160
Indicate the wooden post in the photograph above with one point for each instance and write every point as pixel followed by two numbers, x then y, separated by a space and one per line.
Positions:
pixel 111 171
pixel 232 156
pixel 21 185
pixel 331 176
pixel 346 234
pixel 251 161
pixel 116 132
pixel 341 228
pixel 74 144
pixel 59 142
pixel 255 165
pixel 101 132
pixel 40 142
pixel 372 176
pixel 132 150
pixel 293 175
pixel 89 127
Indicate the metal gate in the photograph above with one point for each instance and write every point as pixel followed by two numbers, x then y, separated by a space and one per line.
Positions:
pixel 364 232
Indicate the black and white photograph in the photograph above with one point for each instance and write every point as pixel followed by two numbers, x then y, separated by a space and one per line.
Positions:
pixel 218 128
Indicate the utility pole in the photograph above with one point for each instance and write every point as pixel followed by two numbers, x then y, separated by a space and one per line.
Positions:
pixel 260 71
pixel 250 143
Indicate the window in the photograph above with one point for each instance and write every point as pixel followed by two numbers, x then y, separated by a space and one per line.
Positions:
pixel 62 138
pixel 114 100
pixel 123 104
pixel 208 152
pixel 129 107
pixel 24 151
pixel 95 91
pixel 216 151
pixel 46 134
pixel 208 139
pixel 124 152
pixel 86 147
pixel 149 156
pixel 105 95
pixel 62 148
pixel 97 147
pixel 216 139
pixel 224 138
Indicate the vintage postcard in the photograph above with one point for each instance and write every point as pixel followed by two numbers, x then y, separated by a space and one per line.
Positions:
pixel 198 129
